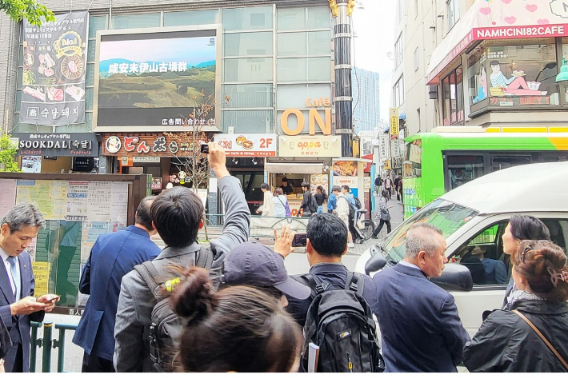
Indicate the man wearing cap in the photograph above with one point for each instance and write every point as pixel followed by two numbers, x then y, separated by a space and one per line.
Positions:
pixel 326 245
pixel 256 265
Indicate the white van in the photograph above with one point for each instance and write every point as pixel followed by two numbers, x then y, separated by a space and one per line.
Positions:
pixel 475 215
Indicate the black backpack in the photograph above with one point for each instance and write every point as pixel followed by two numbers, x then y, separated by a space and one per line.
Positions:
pixel 341 323
pixel 351 208
pixel 166 326
pixel 358 203
pixel 378 181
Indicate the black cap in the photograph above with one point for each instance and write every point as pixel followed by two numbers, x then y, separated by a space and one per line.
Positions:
pixel 254 264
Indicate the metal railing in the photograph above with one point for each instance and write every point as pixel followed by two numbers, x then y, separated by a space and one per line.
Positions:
pixel 47 343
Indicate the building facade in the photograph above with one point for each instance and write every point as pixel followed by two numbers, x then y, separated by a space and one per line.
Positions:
pixel 256 76
pixel 479 63
pixel 366 100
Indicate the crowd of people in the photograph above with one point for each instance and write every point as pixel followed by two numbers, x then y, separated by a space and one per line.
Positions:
pixel 231 306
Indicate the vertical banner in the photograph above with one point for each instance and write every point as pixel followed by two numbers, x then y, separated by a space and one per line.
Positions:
pixel 54 66
pixel 393 122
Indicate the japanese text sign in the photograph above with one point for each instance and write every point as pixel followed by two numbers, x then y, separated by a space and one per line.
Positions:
pixel 57 144
pixel 261 145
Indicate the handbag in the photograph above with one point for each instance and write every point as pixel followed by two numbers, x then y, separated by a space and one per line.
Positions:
pixel 548 344
pixel 385 215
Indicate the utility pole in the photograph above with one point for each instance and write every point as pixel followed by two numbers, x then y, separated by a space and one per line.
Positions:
pixel 343 33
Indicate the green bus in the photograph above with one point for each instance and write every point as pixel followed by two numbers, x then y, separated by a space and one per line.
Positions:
pixel 437 162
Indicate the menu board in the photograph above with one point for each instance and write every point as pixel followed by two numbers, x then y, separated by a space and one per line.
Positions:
pixel 53 75
pixel 319 180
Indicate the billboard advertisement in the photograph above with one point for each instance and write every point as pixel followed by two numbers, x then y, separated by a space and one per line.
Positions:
pixel 53 74
pixel 156 79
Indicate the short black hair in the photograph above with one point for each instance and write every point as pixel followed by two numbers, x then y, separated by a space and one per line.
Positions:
pixel 327 234
pixel 284 179
pixel 336 188
pixel 143 216
pixel 346 187
pixel 265 186
pixel 494 63
pixel 305 184
pixel 176 213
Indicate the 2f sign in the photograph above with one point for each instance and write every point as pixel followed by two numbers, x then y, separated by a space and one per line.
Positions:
pixel 313 119
pixel 266 142
pixel 394 122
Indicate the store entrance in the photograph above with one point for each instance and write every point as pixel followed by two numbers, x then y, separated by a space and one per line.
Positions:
pixel 250 173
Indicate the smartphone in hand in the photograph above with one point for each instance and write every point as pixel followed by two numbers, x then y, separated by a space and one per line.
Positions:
pixel 49 298
pixel 300 240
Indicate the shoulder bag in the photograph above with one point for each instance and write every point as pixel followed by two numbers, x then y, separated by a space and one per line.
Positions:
pixel 548 344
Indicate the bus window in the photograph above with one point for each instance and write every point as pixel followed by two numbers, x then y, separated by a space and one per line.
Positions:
pixel 413 160
pixel 462 169
pixel 502 162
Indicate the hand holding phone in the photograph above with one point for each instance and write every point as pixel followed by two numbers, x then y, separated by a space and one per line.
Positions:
pixel 48 298
pixel 204 148
pixel 300 240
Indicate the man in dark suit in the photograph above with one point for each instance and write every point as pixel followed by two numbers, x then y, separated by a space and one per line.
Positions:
pixel 419 321
pixel 18 306
pixel 112 256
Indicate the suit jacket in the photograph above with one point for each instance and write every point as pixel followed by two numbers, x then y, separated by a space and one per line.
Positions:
pixel 135 304
pixel 112 256
pixel 18 325
pixel 419 322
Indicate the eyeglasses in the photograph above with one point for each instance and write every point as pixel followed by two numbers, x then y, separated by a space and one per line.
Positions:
pixel 530 246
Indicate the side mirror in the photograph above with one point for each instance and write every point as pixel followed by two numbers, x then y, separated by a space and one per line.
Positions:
pixel 454 277
pixel 375 263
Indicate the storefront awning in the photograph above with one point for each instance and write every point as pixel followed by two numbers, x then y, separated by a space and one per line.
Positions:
pixel 294 167
pixel 498 20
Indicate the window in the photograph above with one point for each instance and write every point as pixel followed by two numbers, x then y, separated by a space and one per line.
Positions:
pixel 248 44
pixel 452 98
pixel 304 69
pixel 248 96
pixel 513 74
pixel 249 70
pixel 250 18
pixel 398 51
pixel 452 13
pixel 416 63
pixel 398 92
pixel 201 17
pixel 135 21
pixel 461 169
pixel 248 121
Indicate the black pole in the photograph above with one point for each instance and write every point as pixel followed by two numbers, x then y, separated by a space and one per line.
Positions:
pixel 343 87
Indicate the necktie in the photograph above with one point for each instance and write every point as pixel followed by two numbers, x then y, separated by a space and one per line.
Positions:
pixel 15 276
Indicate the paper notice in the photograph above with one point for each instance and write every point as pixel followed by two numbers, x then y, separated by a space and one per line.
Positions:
pixel 8 197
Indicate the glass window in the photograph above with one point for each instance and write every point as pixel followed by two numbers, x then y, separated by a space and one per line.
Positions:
pixel 89 98
pixel 200 17
pixel 292 18
pixel 445 215
pixel 91 50
pixel 463 168
pixel 319 43
pixel 446 99
pixel 251 18
pixel 304 69
pixel 398 51
pixel 319 18
pixel 248 96
pixel 452 12
pixel 244 44
pixel 295 95
pixel 90 74
pixel 248 121
pixel 517 74
pixel 304 43
pixel 134 21
pixel 398 92
pixel 248 70
pixel 96 23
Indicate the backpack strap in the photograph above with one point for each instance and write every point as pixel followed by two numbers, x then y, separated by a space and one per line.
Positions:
pixel 148 272
pixel 313 283
pixel 355 283
pixel 204 258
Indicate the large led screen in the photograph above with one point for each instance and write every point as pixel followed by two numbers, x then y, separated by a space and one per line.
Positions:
pixel 156 81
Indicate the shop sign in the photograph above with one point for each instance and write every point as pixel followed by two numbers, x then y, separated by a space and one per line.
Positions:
pixel 146 159
pixel 349 181
pixel 309 146
pixel 367 183
pixel 53 74
pixel 530 31
pixel 314 117
pixel 243 145
pixel 393 122
pixel 57 144
pixel 156 183
pixel 150 144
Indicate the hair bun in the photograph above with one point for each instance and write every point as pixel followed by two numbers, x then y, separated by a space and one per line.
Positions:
pixel 194 296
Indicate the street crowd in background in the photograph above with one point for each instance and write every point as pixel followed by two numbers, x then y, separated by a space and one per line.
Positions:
pixel 231 306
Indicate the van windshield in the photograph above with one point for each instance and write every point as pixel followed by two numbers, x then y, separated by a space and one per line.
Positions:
pixel 445 215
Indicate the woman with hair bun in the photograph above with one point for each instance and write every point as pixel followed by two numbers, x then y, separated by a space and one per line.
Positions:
pixel 506 342
pixel 239 328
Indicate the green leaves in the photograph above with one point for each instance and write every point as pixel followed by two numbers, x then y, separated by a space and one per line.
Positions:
pixel 31 10
pixel 8 152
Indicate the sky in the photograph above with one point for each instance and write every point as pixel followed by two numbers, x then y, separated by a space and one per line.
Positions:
pixel 374 26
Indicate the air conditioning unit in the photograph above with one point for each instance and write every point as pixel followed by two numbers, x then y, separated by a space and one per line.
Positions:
pixel 433 92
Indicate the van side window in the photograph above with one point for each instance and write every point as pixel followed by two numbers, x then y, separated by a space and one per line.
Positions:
pixel 483 256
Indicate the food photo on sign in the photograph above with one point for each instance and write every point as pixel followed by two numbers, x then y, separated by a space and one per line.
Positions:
pixel 345 168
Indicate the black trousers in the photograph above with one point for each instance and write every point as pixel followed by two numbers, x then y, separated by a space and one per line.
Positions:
pixel 96 364
pixel 380 226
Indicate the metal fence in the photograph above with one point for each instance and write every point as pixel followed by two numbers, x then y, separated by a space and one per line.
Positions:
pixel 48 343
pixel 260 227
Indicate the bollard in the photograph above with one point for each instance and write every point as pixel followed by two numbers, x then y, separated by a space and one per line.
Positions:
pixel 35 343
pixel 47 343
pixel 60 343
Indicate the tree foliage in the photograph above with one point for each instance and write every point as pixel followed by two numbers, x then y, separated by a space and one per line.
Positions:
pixel 30 10
pixel 8 152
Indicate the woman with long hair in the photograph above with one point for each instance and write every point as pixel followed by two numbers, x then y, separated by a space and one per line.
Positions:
pixel 531 333
pixel 239 328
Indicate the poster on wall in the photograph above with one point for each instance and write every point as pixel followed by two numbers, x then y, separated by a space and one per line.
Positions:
pixel 53 75
pixel 156 81
pixel 319 180
pixel 31 164
pixel 8 197
pixel 345 168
